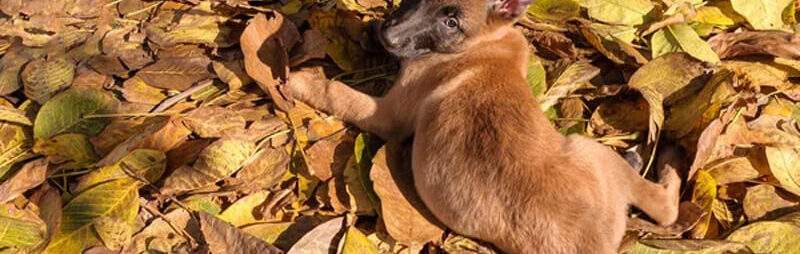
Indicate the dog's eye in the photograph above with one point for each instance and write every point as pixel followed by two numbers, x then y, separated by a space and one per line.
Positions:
pixel 451 22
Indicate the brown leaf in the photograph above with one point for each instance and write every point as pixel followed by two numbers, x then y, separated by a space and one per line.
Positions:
pixel 86 77
pixel 232 73
pixel 264 44
pixel 688 216
pixel 313 47
pixel 136 90
pixel 222 238
pixel 284 234
pixel 108 65
pixel 556 44
pixel 269 165
pixel 161 136
pixel 775 43
pixel 163 230
pixel 329 157
pixel 616 117
pixel 49 202
pixel 766 201
pixel 176 73
pixel 30 175
pixel 214 122
pixel 10 66
pixel 405 216
pixel 322 239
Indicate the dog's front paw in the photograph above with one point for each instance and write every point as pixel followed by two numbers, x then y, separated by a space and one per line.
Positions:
pixel 303 84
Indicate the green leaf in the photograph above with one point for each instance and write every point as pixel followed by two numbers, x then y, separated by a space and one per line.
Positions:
pixel 774 237
pixel 73 147
pixel 785 166
pixel 20 228
pixel 628 12
pixel 682 38
pixel 201 203
pixel 68 111
pixel 118 199
pixel 356 242
pixel 687 247
pixel 762 14
pixel 558 10
pixel 537 77
pixel 143 163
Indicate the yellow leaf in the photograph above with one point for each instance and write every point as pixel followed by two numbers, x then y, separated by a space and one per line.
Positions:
pixel 74 148
pixel 21 228
pixel 118 198
pixel 704 194
pixel 775 237
pixel 356 242
pixel 114 232
pixel 242 212
pixel 142 163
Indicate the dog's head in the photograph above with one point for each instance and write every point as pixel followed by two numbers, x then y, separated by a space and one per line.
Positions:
pixel 418 27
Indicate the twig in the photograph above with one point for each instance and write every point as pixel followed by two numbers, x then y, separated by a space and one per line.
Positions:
pixel 171 225
pixel 126 115
pixel 112 3
pixel 168 103
pixel 652 154
pixel 125 168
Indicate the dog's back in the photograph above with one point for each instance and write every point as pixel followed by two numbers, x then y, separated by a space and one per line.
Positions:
pixel 490 162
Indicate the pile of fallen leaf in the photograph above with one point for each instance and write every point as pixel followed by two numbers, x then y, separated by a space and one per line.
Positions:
pixel 133 126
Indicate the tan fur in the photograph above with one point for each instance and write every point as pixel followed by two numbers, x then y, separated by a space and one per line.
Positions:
pixel 487 162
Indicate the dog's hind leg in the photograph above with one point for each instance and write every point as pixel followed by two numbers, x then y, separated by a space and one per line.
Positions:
pixel 659 201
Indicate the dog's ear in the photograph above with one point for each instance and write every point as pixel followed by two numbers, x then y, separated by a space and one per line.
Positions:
pixel 510 8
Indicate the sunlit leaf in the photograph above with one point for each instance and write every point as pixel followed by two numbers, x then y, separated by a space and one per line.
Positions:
pixel 687 247
pixel 779 237
pixel 242 212
pixel 355 242
pixel 554 9
pixel 682 38
pixel 22 228
pixel 628 12
pixel 762 14
pixel 785 165
pixel 220 159
pixel 69 111
pixel 704 195
pixel 142 163
pixel 118 199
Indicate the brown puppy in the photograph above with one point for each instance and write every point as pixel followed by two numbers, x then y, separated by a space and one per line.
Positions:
pixel 486 161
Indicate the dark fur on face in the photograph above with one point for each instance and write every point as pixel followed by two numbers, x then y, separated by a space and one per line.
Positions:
pixel 443 26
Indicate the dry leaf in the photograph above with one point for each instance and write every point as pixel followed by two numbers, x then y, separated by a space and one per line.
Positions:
pixel 29 176
pixel 224 238
pixel 402 211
